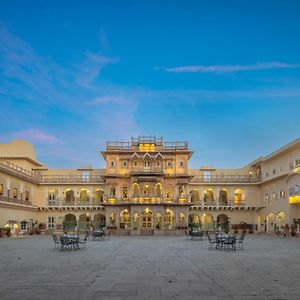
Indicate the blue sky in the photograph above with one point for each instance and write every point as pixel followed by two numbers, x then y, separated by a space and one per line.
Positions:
pixel 224 75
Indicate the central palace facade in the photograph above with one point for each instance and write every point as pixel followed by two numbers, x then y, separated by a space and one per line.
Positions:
pixel 148 188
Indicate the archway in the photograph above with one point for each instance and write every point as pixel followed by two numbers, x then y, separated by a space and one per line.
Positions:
pixel 135 190
pixel 52 195
pixel 280 219
pixel 208 197
pixel 181 219
pixel 99 221
pixel 207 221
pixel 135 219
pixel 270 222
pixel 98 196
pixel 223 197
pixel 147 219
pixel 194 220
pixel 169 219
pixel 223 221
pixel 84 222
pixel 195 196
pixel 158 189
pixel 125 219
pixel 239 197
pixel 112 218
pixel 158 224
pixel 84 195
pixel 70 222
pixel 69 196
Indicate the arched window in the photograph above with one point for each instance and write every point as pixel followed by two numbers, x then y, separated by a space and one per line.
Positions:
pixel 1 189
pixel 27 195
pixel 15 193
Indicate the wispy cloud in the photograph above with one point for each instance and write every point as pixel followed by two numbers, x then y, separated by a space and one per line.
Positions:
pixel 107 100
pixel 37 136
pixel 229 68
pixel 92 66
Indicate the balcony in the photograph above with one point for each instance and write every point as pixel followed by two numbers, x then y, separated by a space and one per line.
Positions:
pixel 220 178
pixel 15 200
pixel 146 171
pixel 74 202
pixel 70 179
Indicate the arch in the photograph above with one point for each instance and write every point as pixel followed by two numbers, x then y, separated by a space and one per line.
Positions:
pixel 239 196
pixel 223 221
pixel 69 196
pixel 181 191
pixel 1 189
pixel 84 222
pixel 223 197
pixel 209 197
pixel 147 219
pixel 98 196
pixel 69 223
pixel 194 219
pixel 169 219
pixel 158 189
pixel 207 221
pixel 195 196
pixel 280 219
pixel 169 191
pixel 84 195
pixel 15 192
pixel 125 218
pixel 135 220
pixel 181 219
pixel 135 190
pixel 99 221
pixel 147 190
pixel 52 194
pixel 270 221
pixel 112 218
pixel 158 224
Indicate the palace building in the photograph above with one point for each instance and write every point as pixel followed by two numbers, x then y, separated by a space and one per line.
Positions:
pixel 148 188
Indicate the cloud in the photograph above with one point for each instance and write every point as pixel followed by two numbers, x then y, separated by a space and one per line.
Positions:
pixel 36 135
pixel 229 68
pixel 92 66
pixel 107 100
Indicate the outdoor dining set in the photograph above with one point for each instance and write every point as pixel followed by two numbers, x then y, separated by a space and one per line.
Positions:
pixel 220 241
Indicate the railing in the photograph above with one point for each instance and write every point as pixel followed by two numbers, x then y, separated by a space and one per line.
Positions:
pixel 224 178
pixel 15 200
pixel 71 178
pixel 17 170
pixel 146 170
pixel 215 203
pixel 64 202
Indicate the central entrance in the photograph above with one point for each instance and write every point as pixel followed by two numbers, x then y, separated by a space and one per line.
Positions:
pixel 147 219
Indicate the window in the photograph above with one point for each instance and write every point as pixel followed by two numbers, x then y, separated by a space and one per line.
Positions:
pixel 181 164
pixel 85 176
pixel 206 175
pixel 267 197
pixel 51 222
pixel 23 225
pixel 169 164
pixel 294 164
pixel 26 195
pixel 125 192
pixel 274 195
pixel 274 171
pixel 158 163
pixel 135 163
pixel 282 194
pixel 1 189
pixel 124 164
pixel 112 163
pixel 15 193
pixel 147 164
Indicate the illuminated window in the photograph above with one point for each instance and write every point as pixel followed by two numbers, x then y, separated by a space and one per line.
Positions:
pixel 267 197
pixel 1 189
pixel 282 194
pixel 274 195
pixel 125 192
pixel 15 193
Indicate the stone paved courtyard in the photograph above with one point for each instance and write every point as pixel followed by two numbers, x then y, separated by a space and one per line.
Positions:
pixel 150 268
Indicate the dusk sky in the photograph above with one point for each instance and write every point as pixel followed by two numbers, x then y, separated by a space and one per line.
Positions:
pixel 223 75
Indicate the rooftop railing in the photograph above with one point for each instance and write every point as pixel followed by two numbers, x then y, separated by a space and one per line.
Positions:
pixel 224 178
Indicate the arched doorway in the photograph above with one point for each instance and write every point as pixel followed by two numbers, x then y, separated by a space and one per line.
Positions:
pixel 84 196
pixel 135 190
pixel 125 219
pixel 112 219
pixel 181 219
pixel 70 222
pixel 194 220
pixel 270 222
pixel 147 219
pixel 169 219
pixel 223 197
pixel 158 224
pixel 98 196
pixel 223 221
pixel 208 197
pixel 84 222
pixel 280 220
pixel 69 196
pixel 99 221
pixel 239 197
pixel 195 196
pixel 207 221
pixel 158 190
pixel 135 219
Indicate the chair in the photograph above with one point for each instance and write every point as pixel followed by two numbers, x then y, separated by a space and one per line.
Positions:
pixel 65 243
pixel 56 241
pixel 211 241
pixel 241 240
pixel 230 241
pixel 83 242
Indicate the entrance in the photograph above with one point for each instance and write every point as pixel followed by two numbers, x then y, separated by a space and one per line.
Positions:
pixel 147 219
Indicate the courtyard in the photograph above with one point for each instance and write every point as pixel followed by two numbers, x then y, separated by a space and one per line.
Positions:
pixel 150 268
